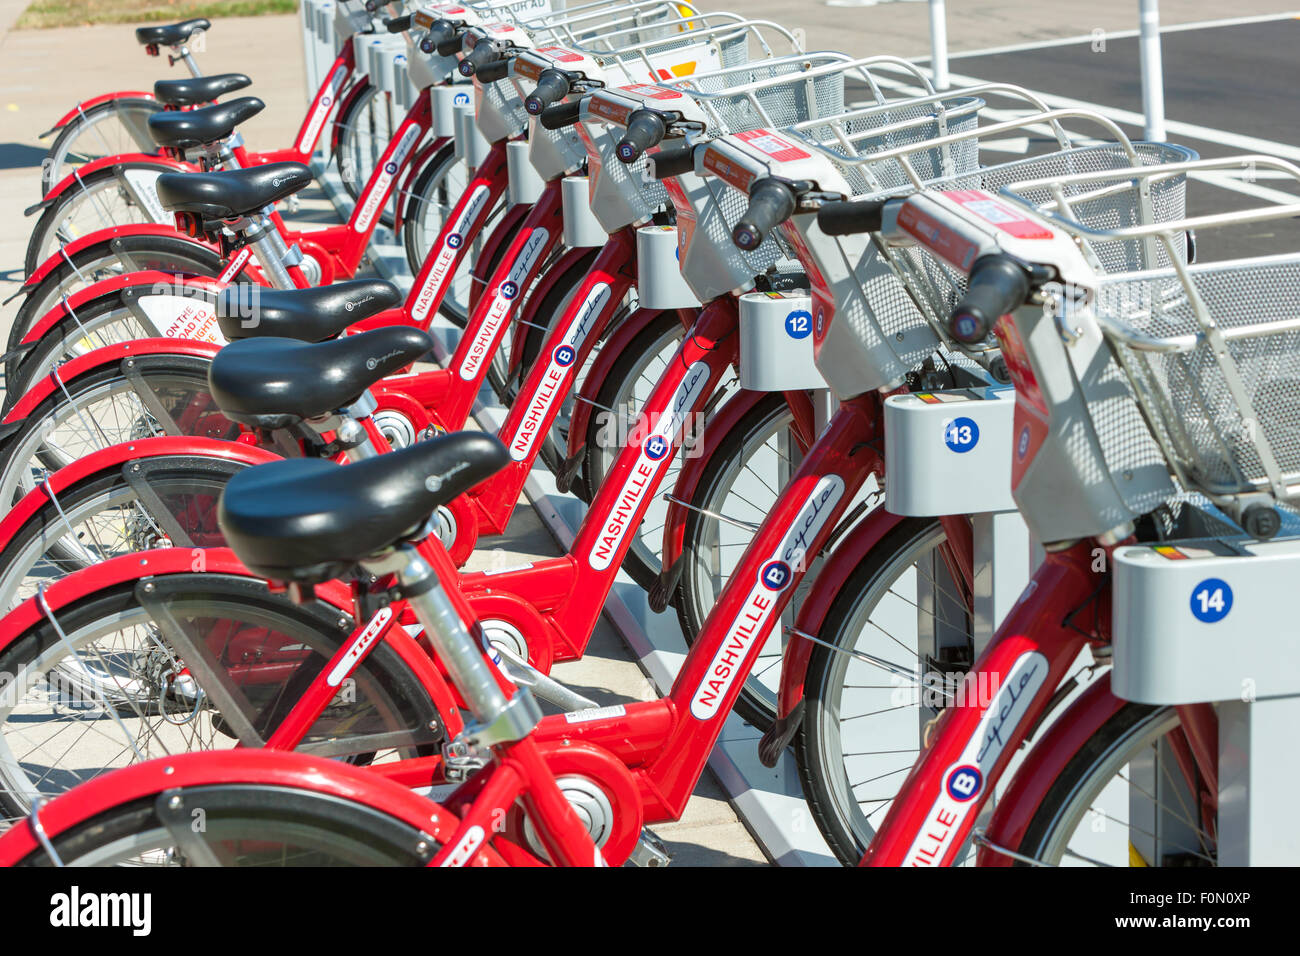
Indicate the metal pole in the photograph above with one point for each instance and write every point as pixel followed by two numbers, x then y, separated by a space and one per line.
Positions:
pixel 939 44
pixel 1153 85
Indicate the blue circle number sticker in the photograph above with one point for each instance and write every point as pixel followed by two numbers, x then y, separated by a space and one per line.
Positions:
pixel 1211 600
pixel 964 783
pixel 961 435
pixel 798 324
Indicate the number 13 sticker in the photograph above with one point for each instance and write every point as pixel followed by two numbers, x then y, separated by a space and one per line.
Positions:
pixel 1211 600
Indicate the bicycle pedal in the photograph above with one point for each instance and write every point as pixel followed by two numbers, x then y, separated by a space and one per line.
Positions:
pixel 778 736
pixel 649 851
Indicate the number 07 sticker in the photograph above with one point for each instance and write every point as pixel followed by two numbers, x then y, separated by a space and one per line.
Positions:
pixel 1211 600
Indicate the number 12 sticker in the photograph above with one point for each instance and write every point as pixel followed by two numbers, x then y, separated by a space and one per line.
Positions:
pixel 1211 600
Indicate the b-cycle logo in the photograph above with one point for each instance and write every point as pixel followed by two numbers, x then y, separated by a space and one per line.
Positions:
pixel 775 575
pixel 480 346
pixel 642 480
pixel 378 189
pixel 656 446
pixel 446 256
pixel 313 127
pixel 562 358
pixel 968 775
pixel 352 658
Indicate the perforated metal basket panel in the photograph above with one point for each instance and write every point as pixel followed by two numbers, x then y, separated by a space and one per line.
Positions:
pixel 1215 438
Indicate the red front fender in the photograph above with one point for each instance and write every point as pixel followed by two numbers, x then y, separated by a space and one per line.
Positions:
pixel 1043 765
pixel 71 180
pixel 113 457
pixel 72 114
pixel 131 567
pixel 263 768
pixel 103 236
pixel 113 285
pixel 108 355
pixel 826 587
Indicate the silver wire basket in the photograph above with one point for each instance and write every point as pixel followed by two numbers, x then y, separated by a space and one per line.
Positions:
pixel 1210 351
pixel 899 290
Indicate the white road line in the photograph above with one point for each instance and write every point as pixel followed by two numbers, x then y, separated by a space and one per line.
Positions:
pixel 1114 35
pixel 1205 134
pixel 1223 180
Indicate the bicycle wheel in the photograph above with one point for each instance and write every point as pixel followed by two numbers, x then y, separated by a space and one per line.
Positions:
pixel 106 129
pixel 367 127
pixel 618 403
pixel 434 193
pixel 100 322
pixel 124 683
pixel 738 489
pixel 866 702
pixel 243 825
pixel 174 256
pixel 168 501
pixel 1123 801
pixel 106 407
pixel 98 201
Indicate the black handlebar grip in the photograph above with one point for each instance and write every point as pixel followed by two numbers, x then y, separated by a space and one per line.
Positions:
pixel 491 72
pixel 552 86
pixel 476 59
pixel 561 115
pixel 671 161
pixel 645 128
pixel 399 25
pixel 439 32
pixel 846 217
pixel 998 285
pixel 771 202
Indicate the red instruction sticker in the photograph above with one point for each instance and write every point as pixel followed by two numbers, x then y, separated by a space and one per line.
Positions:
pixel 772 145
pixel 654 92
pixel 939 239
pixel 998 214
pixel 559 54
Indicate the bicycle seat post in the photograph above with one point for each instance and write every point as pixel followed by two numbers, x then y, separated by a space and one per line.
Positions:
pixel 498 719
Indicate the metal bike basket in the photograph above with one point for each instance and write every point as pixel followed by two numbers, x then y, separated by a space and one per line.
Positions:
pixel 1210 351
pixel 891 308
pixel 642 53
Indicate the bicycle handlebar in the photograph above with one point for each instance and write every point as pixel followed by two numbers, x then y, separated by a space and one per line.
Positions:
pixel 552 86
pixel 846 217
pixel 645 128
pixel 476 59
pixel 560 116
pixel 496 70
pixel 398 25
pixel 443 38
pixel 771 202
pixel 670 161
pixel 998 285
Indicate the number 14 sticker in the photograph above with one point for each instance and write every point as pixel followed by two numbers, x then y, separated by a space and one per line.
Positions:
pixel 1211 600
